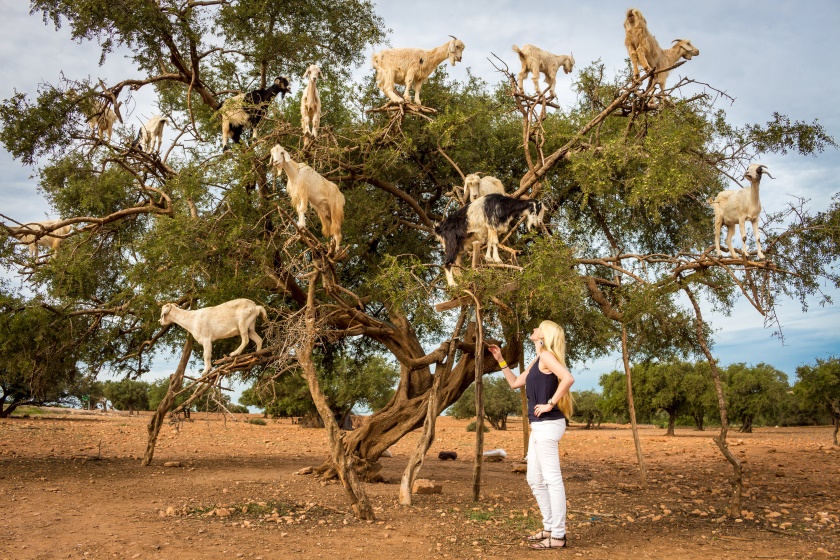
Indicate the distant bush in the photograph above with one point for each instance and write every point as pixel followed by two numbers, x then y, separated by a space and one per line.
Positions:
pixel 471 427
pixel 257 421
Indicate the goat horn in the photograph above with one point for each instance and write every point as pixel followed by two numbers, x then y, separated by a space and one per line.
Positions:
pixel 454 37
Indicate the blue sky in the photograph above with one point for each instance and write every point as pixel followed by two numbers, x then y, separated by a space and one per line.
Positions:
pixel 768 55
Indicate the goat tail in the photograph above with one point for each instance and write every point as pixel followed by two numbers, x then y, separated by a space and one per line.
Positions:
pixel 262 311
pixel 517 51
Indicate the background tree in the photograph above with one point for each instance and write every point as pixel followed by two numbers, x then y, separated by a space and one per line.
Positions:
pixel 755 393
pixel 36 365
pixel 819 387
pixel 588 407
pixel 699 392
pixel 499 403
pixel 128 394
pixel 660 387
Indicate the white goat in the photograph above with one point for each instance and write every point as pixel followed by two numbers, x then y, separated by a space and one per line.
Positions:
pixel 412 67
pixel 151 134
pixel 478 186
pixel 307 186
pixel 310 102
pixel 238 316
pixel 49 238
pixel 736 207
pixel 101 118
pixel 536 60
pixel 645 51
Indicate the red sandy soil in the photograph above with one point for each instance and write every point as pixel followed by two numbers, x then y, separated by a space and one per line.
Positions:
pixel 71 486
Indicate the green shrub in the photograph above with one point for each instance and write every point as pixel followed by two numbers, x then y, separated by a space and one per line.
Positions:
pixel 471 427
pixel 257 421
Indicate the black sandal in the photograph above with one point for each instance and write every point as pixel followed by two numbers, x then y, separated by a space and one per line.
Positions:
pixel 549 543
pixel 541 536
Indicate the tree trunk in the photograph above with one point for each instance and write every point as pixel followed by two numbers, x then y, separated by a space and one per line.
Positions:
pixel 672 418
pixel 176 381
pixel 698 421
pixel 342 459
pixel 415 463
pixel 524 397
pixel 720 439
pixel 746 427
pixel 836 428
pixel 479 401
pixel 407 409
pixel 632 407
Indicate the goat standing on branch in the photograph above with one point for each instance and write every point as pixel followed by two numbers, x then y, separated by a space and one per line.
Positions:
pixel 736 207
pixel 412 67
pixel 310 102
pixel 536 60
pixel 246 110
pixel 645 52
pixel 150 137
pixel 483 220
pixel 43 234
pixel 477 186
pixel 238 316
pixel 307 186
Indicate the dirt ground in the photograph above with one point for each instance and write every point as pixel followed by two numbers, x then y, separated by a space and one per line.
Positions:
pixel 71 486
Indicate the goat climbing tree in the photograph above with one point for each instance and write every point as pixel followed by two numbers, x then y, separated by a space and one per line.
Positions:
pixel 621 169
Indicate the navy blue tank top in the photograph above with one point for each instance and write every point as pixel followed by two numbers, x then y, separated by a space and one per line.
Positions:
pixel 540 387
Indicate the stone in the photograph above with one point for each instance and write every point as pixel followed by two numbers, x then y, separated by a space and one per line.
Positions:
pixel 425 486
pixel 222 512
pixel 173 464
pixel 493 458
pixel 305 470
pixel 447 455
pixel 519 468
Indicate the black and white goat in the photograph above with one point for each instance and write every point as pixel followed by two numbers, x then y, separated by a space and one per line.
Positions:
pixel 483 220
pixel 246 110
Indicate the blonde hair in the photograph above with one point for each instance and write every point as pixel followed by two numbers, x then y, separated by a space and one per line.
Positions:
pixel 554 341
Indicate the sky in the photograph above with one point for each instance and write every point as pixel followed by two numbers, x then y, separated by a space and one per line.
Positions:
pixel 770 56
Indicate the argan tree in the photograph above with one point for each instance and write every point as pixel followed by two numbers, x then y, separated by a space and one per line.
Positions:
pixel 623 174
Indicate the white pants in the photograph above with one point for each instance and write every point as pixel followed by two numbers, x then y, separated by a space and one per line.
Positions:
pixel 544 475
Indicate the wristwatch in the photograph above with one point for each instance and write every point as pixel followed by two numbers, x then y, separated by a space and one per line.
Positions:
pixel 550 403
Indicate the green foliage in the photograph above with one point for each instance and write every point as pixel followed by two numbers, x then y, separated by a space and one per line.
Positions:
pixel 473 426
pixel 756 394
pixel 257 421
pixel 818 386
pixel 128 394
pixel 36 364
pixel 500 401
pixel 588 407
pixel 348 383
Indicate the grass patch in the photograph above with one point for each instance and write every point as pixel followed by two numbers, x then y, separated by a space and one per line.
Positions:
pixel 257 421
pixel 30 410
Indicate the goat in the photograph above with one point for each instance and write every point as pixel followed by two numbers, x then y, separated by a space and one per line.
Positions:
pixel 478 186
pixel 736 207
pixel 645 51
pixel 238 316
pixel 101 118
pixel 412 67
pixel 150 137
pixel 484 219
pixel 43 234
pixel 536 60
pixel 306 185
pixel 310 102
pixel 246 110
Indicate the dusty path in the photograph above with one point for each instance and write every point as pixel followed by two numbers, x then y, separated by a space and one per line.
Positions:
pixel 73 488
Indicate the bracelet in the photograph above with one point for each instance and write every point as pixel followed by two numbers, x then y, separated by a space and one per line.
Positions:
pixel 503 364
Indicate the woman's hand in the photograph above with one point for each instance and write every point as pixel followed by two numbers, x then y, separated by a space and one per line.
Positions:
pixel 542 409
pixel 497 352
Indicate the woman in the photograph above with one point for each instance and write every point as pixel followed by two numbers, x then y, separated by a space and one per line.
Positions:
pixel 547 381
